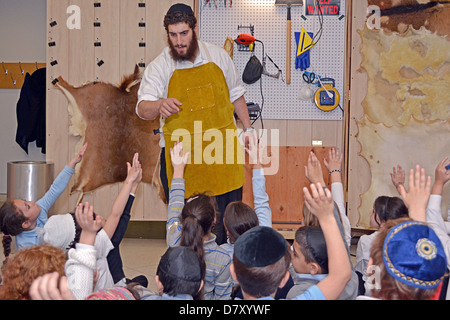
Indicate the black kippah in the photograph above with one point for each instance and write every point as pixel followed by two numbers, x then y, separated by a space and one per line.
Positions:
pixel 316 241
pixel 181 263
pixel 180 7
pixel 260 247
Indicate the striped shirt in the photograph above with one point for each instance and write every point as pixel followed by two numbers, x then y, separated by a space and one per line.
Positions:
pixel 218 281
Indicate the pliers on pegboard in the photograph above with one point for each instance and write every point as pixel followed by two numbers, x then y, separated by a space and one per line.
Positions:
pixel 231 3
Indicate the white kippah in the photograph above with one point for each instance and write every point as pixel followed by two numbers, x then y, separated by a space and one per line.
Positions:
pixel 59 231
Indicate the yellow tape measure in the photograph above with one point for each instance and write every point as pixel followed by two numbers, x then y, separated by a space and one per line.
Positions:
pixel 327 97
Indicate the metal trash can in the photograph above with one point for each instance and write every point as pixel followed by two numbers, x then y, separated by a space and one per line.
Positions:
pixel 29 180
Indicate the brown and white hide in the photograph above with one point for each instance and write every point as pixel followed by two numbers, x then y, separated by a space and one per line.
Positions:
pixel 398 15
pixel 104 116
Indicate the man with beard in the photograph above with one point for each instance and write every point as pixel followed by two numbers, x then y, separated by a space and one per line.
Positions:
pixel 195 88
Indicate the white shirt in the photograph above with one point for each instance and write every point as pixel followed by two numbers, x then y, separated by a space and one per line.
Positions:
pixel 156 77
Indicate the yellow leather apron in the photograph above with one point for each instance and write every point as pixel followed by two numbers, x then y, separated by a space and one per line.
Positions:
pixel 203 123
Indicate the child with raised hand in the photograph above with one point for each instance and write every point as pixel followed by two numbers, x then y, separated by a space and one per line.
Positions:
pixel 238 216
pixel 63 231
pixel 78 282
pixel 407 259
pixel 261 256
pixel 25 219
pixel 314 173
pixel 191 224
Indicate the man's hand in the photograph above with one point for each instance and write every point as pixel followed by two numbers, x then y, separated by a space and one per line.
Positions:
pixel 169 106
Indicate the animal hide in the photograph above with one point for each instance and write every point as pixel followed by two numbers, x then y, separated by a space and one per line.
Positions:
pixel 104 116
pixel 398 15
pixel 407 107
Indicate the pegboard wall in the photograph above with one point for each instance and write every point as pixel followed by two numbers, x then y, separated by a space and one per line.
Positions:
pixel 278 99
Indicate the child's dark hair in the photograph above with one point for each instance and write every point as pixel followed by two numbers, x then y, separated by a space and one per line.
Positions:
pixel 179 17
pixel 11 220
pixel 389 208
pixel 238 218
pixel 197 218
pixel 261 281
pixel 175 286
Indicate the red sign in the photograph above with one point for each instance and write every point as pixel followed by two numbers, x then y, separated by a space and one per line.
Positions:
pixel 324 7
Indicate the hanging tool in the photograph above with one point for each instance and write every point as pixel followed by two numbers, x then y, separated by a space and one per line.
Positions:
pixel 265 72
pixel 309 78
pixel 245 39
pixel 288 3
pixel 327 97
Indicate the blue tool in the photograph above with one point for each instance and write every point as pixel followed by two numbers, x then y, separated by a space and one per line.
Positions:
pixel 309 78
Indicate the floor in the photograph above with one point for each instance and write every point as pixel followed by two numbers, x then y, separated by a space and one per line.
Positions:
pixel 141 257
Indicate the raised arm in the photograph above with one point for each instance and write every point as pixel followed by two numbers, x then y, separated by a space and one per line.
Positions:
pixel 176 196
pixel 434 211
pixel 313 170
pixel 82 261
pixel 133 178
pixel 334 166
pixel 258 158
pixel 59 184
pixel 416 198
pixel 320 203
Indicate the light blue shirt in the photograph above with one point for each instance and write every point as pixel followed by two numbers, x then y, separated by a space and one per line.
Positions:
pixel 313 293
pixel 34 237
pixel 261 203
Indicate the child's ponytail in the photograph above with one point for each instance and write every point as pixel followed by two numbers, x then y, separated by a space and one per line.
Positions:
pixel 7 239
pixel 197 218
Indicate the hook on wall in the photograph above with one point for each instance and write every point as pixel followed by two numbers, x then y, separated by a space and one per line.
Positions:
pixel 3 64
pixel 20 67
pixel 13 81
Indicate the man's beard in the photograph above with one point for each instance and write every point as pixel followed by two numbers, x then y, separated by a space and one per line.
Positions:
pixel 190 53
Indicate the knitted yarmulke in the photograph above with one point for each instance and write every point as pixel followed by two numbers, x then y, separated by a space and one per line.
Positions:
pixel 260 247
pixel 59 230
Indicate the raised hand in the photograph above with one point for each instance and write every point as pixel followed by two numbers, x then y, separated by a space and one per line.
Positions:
pixel 313 170
pixel 319 201
pixel 179 159
pixel 398 176
pixel 89 225
pixel 50 286
pixel 77 159
pixel 134 172
pixel 257 153
pixel 416 198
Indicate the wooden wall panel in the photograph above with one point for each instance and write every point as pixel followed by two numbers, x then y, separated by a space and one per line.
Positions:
pixel 359 176
pixel 57 116
pixel 285 186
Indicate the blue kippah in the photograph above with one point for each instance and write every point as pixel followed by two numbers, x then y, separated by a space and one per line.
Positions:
pixel 413 254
